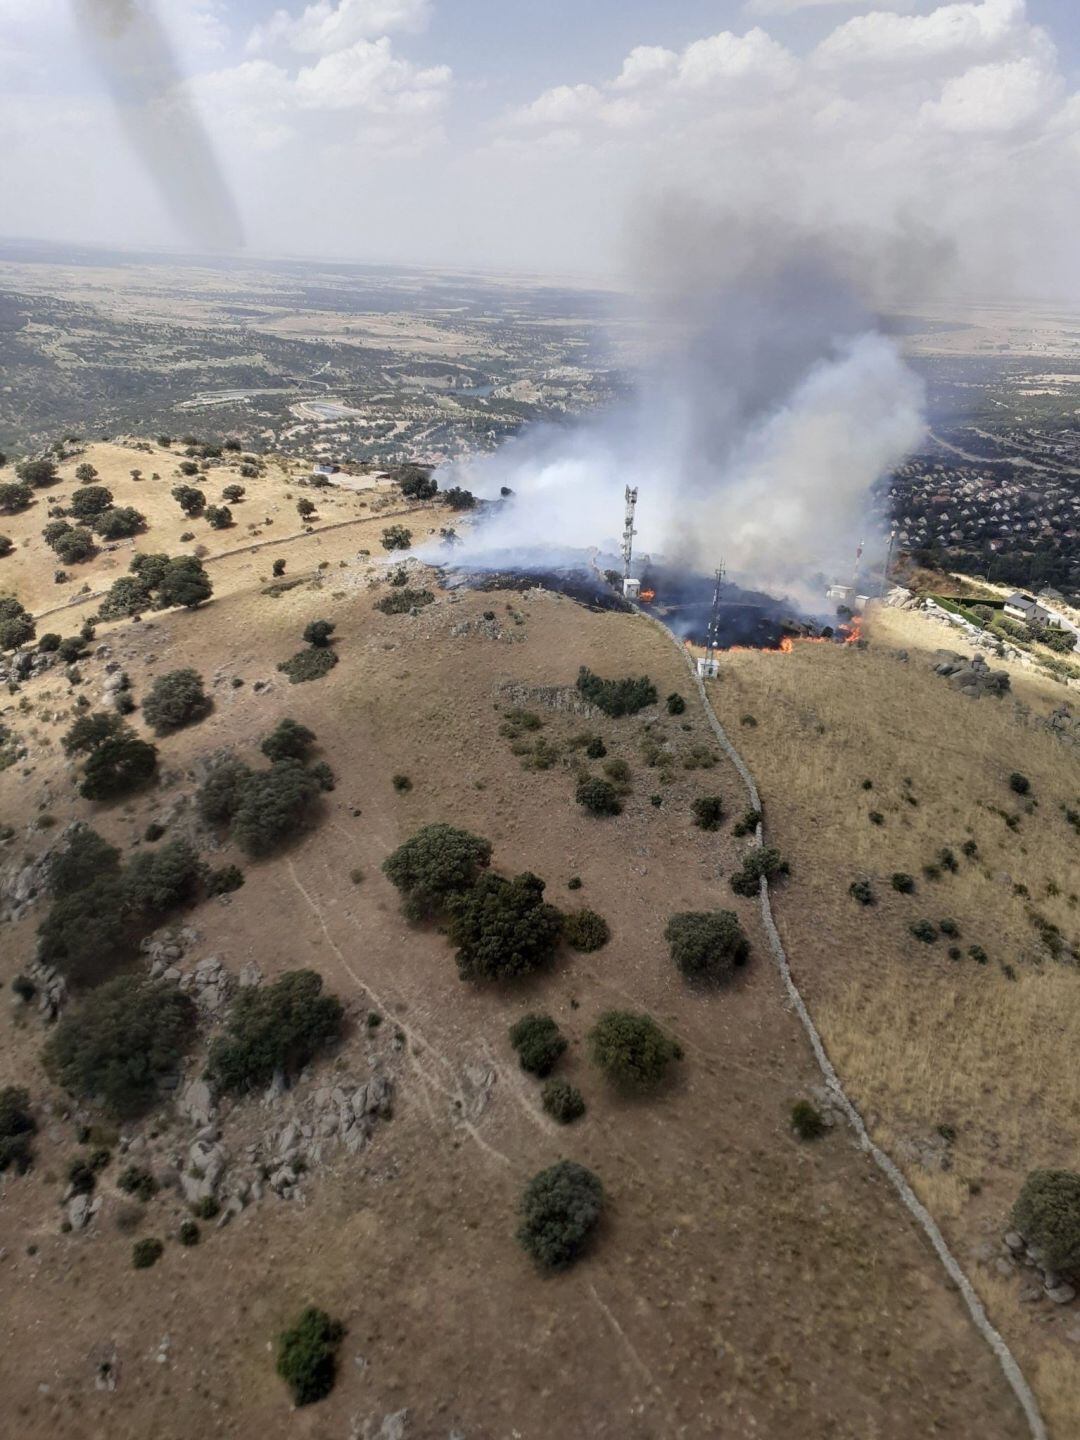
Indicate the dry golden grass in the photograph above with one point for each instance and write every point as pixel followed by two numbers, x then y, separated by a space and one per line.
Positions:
pixel 923 1041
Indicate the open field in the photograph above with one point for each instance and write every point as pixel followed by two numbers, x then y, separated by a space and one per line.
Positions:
pixel 964 1070
pixel 743 1282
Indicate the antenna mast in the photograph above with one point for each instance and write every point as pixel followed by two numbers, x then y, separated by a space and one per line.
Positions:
pixel 628 533
pixel 713 639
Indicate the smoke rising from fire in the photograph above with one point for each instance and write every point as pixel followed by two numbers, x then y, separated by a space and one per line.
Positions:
pixel 772 403
pixel 137 65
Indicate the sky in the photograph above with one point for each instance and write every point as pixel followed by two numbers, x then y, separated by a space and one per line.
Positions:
pixel 562 138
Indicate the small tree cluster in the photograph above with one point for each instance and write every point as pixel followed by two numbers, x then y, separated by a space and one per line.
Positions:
pixel 396 537
pixel 616 697
pixel 416 481
pixel 38 472
pixel 117 760
pixel 274 1027
pixel 562 1101
pixel 14 496
pixel 89 502
pixel 289 740
pixel 191 500
pixel 16 623
pixel 503 928
pixel 119 522
pixel 432 866
pixel 176 699
pixel 307 1355
pixel 1047 1215
pixel 559 1212
pixel 707 945
pixel 764 862
pixel 272 805
pixel 598 797
pixel 632 1050
pixel 310 664
pixel 118 1043
pixel 17 1129
pixel 157 881
pixel 158 582
pixel 585 930
pixel 538 1042
pixel 218 517
pixel 403 599
pixel 708 812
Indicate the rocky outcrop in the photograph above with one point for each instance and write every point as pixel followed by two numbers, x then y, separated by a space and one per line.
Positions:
pixel 1017 1256
pixel 973 677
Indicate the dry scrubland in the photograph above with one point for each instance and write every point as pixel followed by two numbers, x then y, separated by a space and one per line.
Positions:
pixel 926 1043
pixel 742 1282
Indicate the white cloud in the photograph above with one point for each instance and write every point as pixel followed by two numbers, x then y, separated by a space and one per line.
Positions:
pixel 368 76
pixel 949 34
pixel 754 58
pixel 645 64
pixel 996 99
pixel 789 7
pixel 323 28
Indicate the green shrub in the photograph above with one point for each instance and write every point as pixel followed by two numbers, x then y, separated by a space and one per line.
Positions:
pixel 118 766
pixel 188 1233
pixel 206 1208
pixel 559 1212
pixel 595 748
pixel 401 783
pixel 618 771
pixel 876 817
pixel 562 1101
pixel 49 642
pixel 1019 784
pixel 126 596
pixel 433 865
pixel 1047 1214
pixel 676 705
pixel 399 601
pixel 233 493
pixel 616 697
pixel 322 772
pixel 631 1049
pixel 190 499
pixel 90 731
pixel 748 824
pixel 807 1122
pixel 950 928
pixel 598 797
pixel 17 1128
pixel 38 472
pixel 708 812
pixel 138 1181
pixel 574 883
pixel 14 496
pixel 90 501
pixel 7 545
pixel 118 1043
pixel 502 928
pixel 218 798
pixel 273 805
pixel 396 537
pixel 924 931
pixel 175 700
pixel 862 891
pixel 311 664
pixel 289 740
pixel 763 862
pixel 978 954
pixel 71 649
pixel 948 861
pixel 538 1042
pixel 274 1027
pixel 318 632
pixel 16 623
pixel 278 568
pixel 305 508
pixel 157 881
pixel 119 522
pixel 307 1355
pixel 707 945
pixel 225 880
pixel 218 517
pixel 903 883
pixel 585 930
pixel 145 1253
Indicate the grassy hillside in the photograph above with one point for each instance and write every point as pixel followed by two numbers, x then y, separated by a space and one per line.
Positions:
pixel 741 1280
pixel 964 1066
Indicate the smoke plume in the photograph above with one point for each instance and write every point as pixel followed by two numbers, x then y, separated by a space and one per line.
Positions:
pixel 772 402
pixel 137 65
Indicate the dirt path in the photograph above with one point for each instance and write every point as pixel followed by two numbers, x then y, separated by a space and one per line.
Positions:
pixel 957 1275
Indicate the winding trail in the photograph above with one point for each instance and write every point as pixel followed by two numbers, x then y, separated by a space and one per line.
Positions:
pixel 1009 1365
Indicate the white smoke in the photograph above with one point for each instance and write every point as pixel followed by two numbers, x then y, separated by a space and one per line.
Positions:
pixel 754 437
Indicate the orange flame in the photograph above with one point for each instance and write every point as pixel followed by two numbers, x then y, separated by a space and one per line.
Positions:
pixel 648 596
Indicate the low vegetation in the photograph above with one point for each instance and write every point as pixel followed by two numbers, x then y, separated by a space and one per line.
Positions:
pixel 584 930
pixel 174 700
pixel 270 1028
pixel 434 865
pixel 539 1043
pixel 559 1212
pixel 707 945
pixel 562 1101
pixel 118 1044
pixel 1047 1215
pixel 502 928
pixel 307 1355
pixel 17 1129
pixel 765 862
pixel 401 600
pixel 598 797
pixel 310 664
pixel 616 697
pixel 632 1050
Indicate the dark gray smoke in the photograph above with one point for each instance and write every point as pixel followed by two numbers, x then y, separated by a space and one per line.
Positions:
pixel 132 52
